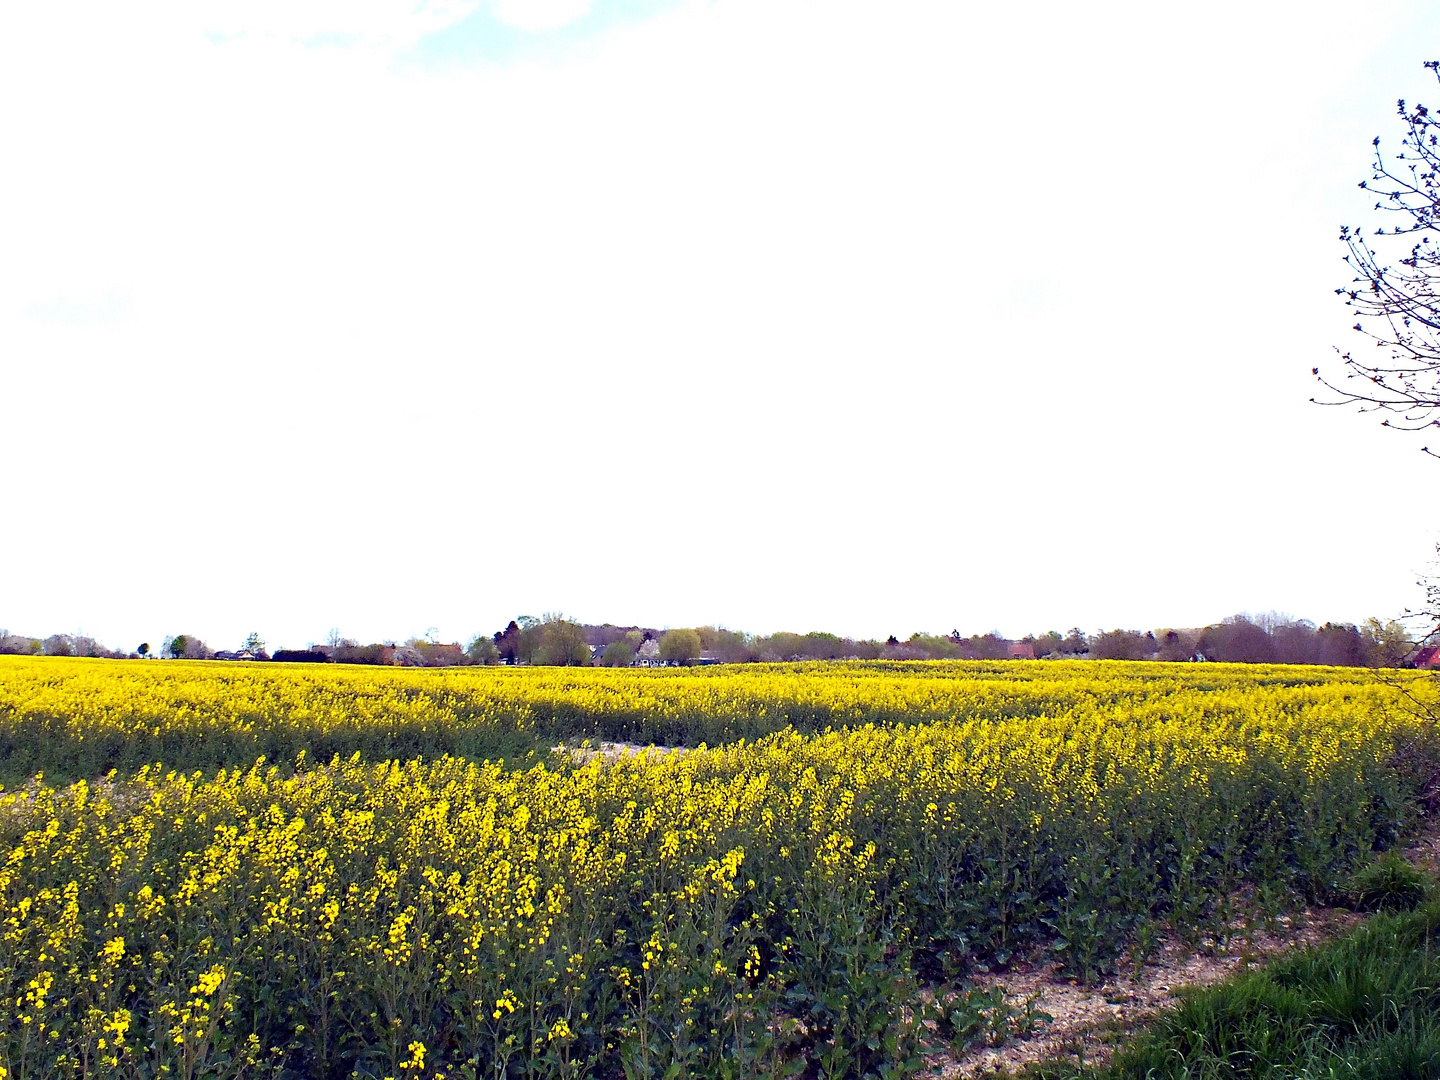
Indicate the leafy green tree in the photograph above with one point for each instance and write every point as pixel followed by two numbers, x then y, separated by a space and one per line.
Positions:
pixel 522 640
pixel 680 646
pixel 731 646
pixel 1389 642
pixel 1122 645
pixel 255 643
pixel 186 647
pixel 507 643
pixel 560 643
pixel 617 654
pixel 483 650
pixel 781 646
pixel 933 647
pixel 1047 643
pixel 144 648
pixel 991 646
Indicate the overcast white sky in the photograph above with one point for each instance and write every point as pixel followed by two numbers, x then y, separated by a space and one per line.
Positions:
pixel 779 314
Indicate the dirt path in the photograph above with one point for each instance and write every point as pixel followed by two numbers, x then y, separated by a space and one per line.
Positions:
pixel 614 751
pixel 1088 1019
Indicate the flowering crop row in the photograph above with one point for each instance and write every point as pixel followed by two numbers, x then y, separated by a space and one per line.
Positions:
pixel 82 718
pixel 754 909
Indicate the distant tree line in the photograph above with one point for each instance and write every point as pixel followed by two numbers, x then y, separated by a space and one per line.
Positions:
pixel 178 647
pixel 558 641
pixel 54 645
pixel 1244 639
pixel 555 640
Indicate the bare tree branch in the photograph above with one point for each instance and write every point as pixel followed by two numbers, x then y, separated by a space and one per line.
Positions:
pixel 1397 305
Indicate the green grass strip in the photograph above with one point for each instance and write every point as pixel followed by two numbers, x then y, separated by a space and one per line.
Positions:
pixel 1364 1006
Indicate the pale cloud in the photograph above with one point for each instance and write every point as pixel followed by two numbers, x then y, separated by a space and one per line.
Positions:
pixel 380 23
pixel 535 15
pixel 772 312
pixel 77 311
pixel 388 24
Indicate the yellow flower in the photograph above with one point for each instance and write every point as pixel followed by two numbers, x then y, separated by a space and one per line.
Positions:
pixel 416 1060
pixel 210 981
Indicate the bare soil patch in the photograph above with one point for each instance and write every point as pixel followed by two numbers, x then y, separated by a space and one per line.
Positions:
pixel 614 751
pixel 1089 1019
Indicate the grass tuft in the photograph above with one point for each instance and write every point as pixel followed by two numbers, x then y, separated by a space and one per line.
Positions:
pixel 1389 884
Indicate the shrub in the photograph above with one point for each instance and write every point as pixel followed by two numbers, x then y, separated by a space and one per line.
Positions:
pixel 680 646
pixel 1389 884
pixel 617 654
pixel 364 654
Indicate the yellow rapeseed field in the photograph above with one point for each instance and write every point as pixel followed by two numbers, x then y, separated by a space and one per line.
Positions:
pixel 80 718
pixel 376 900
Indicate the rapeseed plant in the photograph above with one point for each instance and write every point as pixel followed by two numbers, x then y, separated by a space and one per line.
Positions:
pixel 753 909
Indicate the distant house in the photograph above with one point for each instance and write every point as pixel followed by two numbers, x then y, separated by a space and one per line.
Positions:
pixel 1428 657
pixel 1022 650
